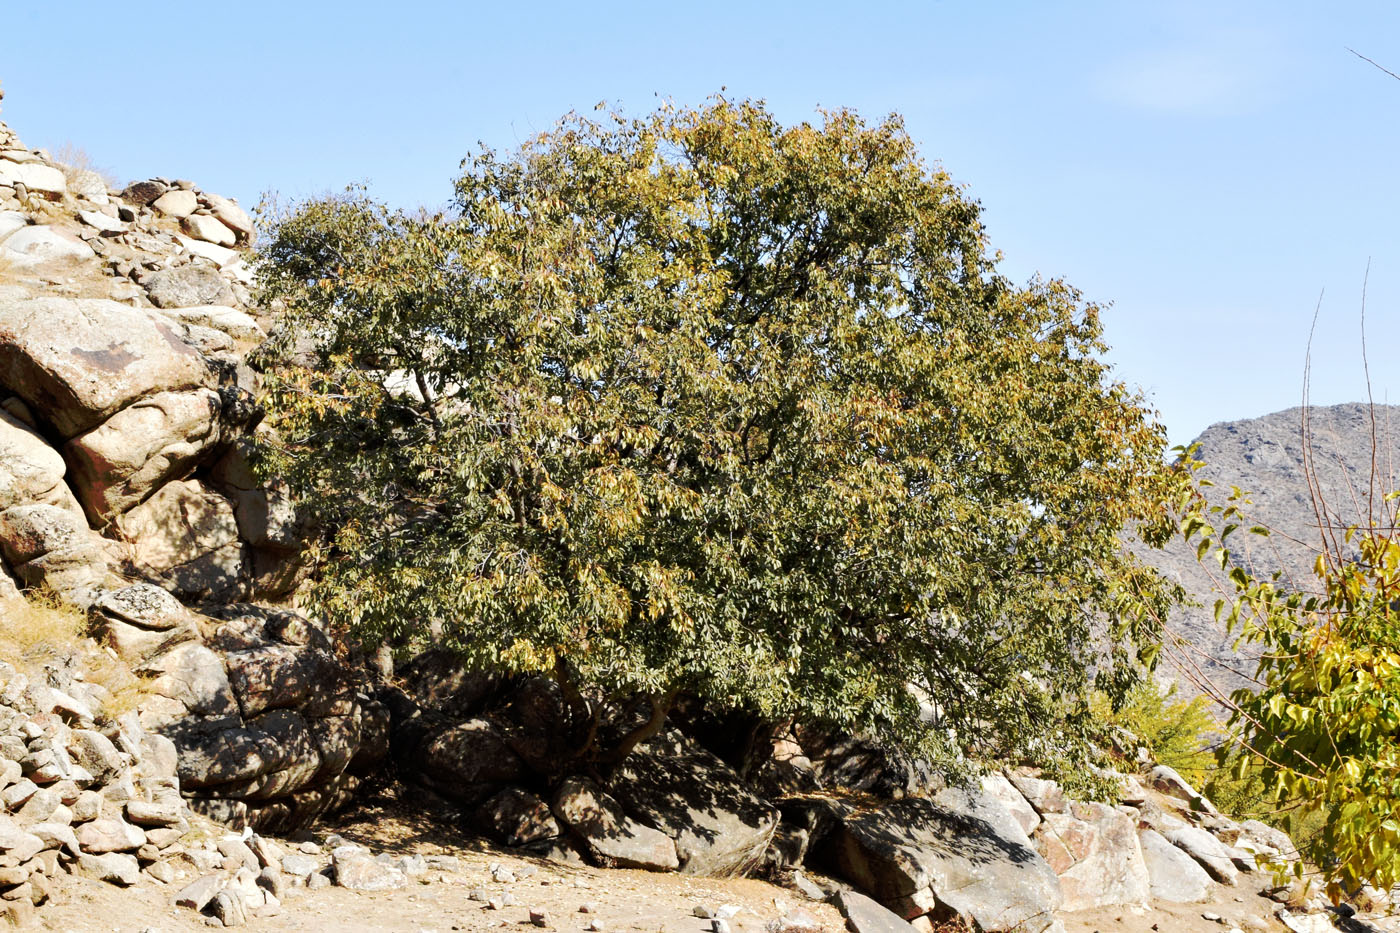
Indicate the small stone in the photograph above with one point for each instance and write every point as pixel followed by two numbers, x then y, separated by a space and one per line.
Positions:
pixel 299 867
pixel 1214 918
pixel 163 872
pixel 198 893
pixel 595 926
pixel 443 862
pixel 317 881
pixel 538 917
pixel 495 904
pixel 478 894
pixel 589 908
pixel 112 867
pixel 271 879
pixel 229 908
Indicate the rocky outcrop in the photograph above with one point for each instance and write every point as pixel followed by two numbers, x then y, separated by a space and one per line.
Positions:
pixel 958 854
pixel 608 833
pixel 719 826
pixel 125 416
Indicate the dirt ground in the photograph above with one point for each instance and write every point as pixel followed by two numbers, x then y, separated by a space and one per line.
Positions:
pixel 620 900
pixel 1236 907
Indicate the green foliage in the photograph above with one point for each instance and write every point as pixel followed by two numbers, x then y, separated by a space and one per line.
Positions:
pixel 697 403
pixel 1177 732
pixel 1320 733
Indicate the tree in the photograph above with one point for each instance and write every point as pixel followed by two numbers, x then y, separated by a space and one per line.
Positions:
pixel 700 405
pixel 1318 732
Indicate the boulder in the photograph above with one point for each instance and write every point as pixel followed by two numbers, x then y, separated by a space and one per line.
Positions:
pixel 142 193
pixel 40 244
pixel 1172 874
pixel 192 675
pixel 864 915
pixel 222 755
pixel 515 817
pixel 233 216
pixel 10 221
pixel 1094 850
pixel 1211 853
pixel 273 677
pixel 1045 796
pixel 608 834
pixel 957 853
pixel 141 621
pixel 44 179
pixel 209 229
pixel 466 761
pixel 79 361
pixel 1265 840
pixel 1000 789
pixel 1167 781
pixel 719 827
pixel 108 226
pixel 237 324
pixel 187 286
pixel 221 256
pixel 30 470
pixel 110 835
pixel 176 203
pixel 356 869
pixel 111 867
pixel 50 545
pixel 185 538
pixel 15 842
pixel 268 518
pixel 121 462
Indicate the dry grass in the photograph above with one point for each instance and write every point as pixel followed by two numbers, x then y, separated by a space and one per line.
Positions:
pixel 73 160
pixel 38 630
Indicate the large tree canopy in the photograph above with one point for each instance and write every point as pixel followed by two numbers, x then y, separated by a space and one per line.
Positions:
pixel 701 405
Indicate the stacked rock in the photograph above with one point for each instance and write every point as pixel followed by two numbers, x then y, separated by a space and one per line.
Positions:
pixel 81 793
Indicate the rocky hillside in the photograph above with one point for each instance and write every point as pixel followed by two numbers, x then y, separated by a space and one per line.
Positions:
pixel 127 407
pixel 1264 457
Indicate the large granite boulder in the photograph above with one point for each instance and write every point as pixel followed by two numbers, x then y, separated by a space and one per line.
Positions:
pixel 122 461
pixel 608 834
pixel 1172 874
pixel 48 545
pixel 141 621
pixel 957 854
pixel 30 470
pixel 1094 850
pixel 720 828
pixel 76 362
pixel 273 728
pixel 185 538
pixel 189 286
pixel 1000 789
pixel 465 761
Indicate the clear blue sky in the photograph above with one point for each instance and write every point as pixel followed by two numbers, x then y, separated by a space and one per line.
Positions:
pixel 1208 168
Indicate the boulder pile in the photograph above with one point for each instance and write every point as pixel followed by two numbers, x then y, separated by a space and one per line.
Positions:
pixel 126 415
pixel 83 793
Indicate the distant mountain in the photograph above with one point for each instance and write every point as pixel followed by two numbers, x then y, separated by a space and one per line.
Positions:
pixel 1264 457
